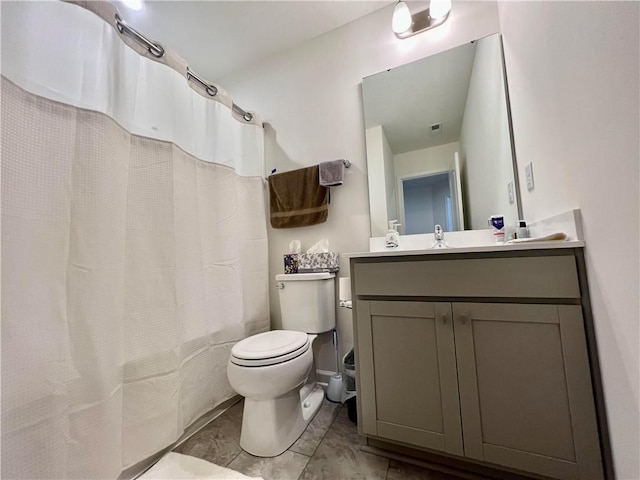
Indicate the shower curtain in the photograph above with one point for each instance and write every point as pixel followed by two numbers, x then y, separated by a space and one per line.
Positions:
pixel 134 245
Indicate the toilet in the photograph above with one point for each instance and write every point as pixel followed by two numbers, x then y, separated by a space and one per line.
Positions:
pixel 275 371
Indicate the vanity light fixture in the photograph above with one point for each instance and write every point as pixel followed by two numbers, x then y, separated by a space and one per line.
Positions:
pixel 135 5
pixel 405 24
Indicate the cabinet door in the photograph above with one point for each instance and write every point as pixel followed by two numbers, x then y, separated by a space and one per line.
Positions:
pixel 407 372
pixel 525 389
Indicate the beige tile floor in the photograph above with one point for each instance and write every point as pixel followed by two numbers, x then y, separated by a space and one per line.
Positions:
pixel 329 449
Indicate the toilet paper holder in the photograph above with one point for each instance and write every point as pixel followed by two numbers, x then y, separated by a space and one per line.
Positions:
pixel 345 292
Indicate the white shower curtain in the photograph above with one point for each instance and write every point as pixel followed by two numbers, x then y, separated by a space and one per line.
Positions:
pixel 134 248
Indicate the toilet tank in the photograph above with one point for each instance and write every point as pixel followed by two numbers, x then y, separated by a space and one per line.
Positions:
pixel 307 301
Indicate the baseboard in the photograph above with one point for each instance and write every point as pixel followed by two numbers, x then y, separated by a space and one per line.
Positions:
pixel 421 463
pixel 442 462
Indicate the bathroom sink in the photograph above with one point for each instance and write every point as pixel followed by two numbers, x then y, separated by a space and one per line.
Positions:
pixel 426 241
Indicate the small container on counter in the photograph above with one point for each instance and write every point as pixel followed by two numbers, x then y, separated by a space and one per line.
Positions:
pixel 496 222
pixel 522 231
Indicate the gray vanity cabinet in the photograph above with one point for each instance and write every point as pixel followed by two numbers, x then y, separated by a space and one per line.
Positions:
pixel 525 390
pixel 502 379
pixel 411 392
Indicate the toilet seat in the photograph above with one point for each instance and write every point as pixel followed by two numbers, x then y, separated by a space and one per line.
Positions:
pixel 269 348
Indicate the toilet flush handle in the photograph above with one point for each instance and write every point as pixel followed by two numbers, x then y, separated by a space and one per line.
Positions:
pixel 279 285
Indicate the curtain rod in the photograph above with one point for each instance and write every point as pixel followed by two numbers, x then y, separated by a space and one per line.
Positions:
pixel 158 51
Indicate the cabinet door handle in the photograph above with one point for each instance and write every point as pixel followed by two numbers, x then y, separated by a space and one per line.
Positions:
pixel 464 319
pixel 443 317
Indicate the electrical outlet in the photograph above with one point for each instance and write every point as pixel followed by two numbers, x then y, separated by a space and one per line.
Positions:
pixel 512 197
pixel 528 171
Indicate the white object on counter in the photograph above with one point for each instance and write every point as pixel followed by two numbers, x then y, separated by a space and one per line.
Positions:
pixel 554 237
pixel 392 239
pixel 569 222
pixel 496 222
pixel 522 231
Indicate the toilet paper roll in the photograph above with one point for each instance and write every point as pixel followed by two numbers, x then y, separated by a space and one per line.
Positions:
pixel 345 288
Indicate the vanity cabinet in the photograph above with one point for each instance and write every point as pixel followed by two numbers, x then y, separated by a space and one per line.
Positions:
pixel 477 358
pixel 411 387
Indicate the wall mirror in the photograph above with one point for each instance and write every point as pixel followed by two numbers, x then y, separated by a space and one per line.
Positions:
pixel 439 142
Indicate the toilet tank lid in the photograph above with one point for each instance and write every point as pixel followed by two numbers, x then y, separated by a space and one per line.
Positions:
pixel 295 277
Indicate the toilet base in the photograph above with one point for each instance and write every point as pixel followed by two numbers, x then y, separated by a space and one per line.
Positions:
pixel 269 427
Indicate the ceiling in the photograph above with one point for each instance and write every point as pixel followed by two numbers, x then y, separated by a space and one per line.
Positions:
pixel 438 86
pixel 218 38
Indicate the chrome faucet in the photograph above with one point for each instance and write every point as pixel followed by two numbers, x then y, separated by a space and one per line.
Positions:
pixel 438 235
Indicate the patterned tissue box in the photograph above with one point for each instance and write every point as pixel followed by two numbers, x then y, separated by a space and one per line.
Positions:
pixel 318 262
pixel 291 263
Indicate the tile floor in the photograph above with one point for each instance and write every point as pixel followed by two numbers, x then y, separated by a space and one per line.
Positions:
pixel 329 449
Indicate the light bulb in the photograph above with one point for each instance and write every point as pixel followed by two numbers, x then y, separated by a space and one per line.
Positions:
pixel 134 4
pixel 401 18
pixel 439 8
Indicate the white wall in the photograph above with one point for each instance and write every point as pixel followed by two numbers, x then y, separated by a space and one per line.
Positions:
pixel 376 141
pixel 574 80
pixel 390 184
pixel 485 142
pixel 312 100
pixel 426 160
pixel 382 191
pixel 573 76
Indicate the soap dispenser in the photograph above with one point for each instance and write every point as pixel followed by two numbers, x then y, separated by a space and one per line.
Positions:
pixel 392 239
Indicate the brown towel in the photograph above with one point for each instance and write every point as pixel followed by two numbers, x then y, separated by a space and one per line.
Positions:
pixel 296 198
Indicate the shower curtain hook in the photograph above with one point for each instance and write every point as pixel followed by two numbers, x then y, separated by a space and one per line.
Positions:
pixel 211 90
pixel 154 48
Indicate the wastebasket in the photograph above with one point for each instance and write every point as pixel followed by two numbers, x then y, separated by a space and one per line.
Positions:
pixel 349 378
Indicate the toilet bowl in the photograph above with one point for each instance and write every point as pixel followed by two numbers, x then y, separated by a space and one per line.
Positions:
pixel 275 371
pixel 270 370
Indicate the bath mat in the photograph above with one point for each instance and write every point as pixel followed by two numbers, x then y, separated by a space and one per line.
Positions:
pixel 175 466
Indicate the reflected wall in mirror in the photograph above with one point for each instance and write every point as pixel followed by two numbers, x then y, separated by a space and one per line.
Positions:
pixel 439 142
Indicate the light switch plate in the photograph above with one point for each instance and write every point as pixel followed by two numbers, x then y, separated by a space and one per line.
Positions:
pixel 528 171
pixel 511 194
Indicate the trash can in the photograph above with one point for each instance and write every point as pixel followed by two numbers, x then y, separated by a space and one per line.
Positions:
pixel 349 378
pixel 352 409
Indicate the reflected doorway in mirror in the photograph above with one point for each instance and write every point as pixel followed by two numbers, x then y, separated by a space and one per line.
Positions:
pixel 429 198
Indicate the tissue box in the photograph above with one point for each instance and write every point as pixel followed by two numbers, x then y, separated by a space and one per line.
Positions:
pixel 291 263
pixel 318 262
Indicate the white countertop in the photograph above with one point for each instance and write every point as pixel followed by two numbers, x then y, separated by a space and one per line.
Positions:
pixel 396 252
pixel 482 241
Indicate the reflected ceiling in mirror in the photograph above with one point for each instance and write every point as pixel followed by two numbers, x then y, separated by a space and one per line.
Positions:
pixel 418 116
